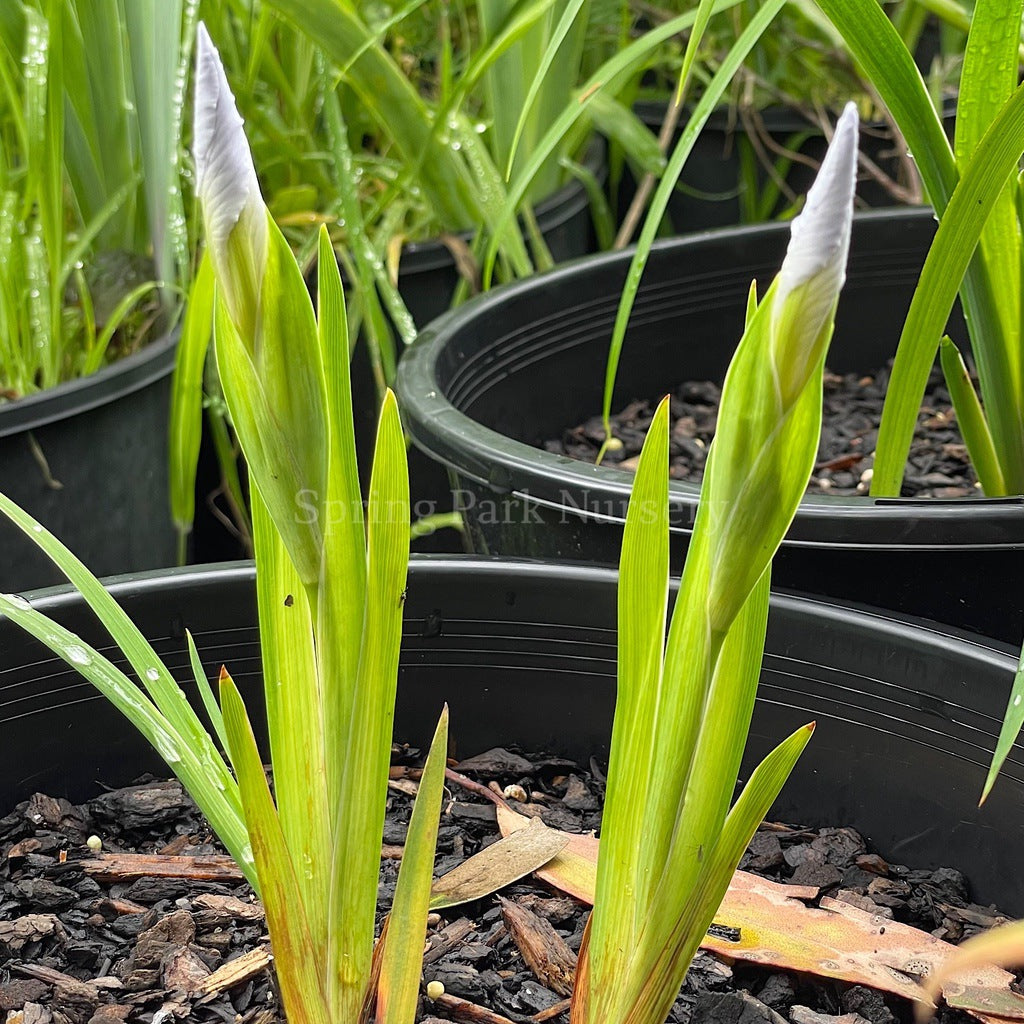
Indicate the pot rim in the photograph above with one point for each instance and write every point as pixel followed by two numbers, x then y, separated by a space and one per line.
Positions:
pixel 880 621
pixel 151 363
pixel 508 466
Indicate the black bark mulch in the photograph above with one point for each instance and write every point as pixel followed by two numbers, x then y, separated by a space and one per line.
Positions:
pixel 938 466
pixel 77 950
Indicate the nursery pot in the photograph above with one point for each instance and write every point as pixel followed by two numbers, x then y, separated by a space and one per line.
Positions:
pixel 486 385
pixel 729 163
pixel 524 653
pixel 88 459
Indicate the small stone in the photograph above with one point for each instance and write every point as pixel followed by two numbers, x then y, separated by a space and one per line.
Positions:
pixel 30 1013
pixel 461 980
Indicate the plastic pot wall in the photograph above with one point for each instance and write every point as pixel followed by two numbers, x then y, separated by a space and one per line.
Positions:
pixel 483 388
pixel 88 459
pixel 525 654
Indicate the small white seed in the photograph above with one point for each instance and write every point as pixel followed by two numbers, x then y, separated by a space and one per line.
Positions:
pixel 434 990
pixel 94 843
pixel 515 792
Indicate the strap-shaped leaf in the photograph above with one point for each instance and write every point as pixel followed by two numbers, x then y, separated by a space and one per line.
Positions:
pixel 1010 729
pixel 299 968
pixel 611 75
pixel 205 777
pixel 960 228
pixel 971 420
pixel 399 986
pixel 295 717
pixel 274 386
pixel 367 740
pixel 661 986
pixel 889 66
pixel 151 671
pixel 878 48
pixel 624 883
pixel 390 98
pixel 185 430
pixel 987 81
pixel 570 12
pixel 342 585
pixel 709 100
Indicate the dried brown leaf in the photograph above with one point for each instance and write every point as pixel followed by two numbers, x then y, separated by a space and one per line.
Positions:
pixel 506 861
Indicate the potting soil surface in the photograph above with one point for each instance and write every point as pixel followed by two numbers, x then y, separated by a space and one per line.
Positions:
pixel 90 937
pixel 938 465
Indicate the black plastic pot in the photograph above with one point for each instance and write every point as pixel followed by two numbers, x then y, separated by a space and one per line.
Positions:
pixel 525 654
pixel 711 191
pixel 488 384
pixel 88 459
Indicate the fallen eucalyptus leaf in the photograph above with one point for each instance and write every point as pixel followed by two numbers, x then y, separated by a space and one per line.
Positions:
pixel 573 869
pixel 764 922
pixel 519 853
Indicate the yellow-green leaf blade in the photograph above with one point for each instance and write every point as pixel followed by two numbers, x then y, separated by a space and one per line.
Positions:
pixel 186 413
pixel 623 882
pixel 367 742
pixel 970 418
pixel 675 949
pixel 1010 729
pixel 398 989
pixel 955 241
pixel 299 969
pixel 291 686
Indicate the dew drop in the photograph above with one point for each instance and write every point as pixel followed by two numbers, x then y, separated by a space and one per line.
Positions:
pixel 166 748
pixel 152 674
pixel 78 655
